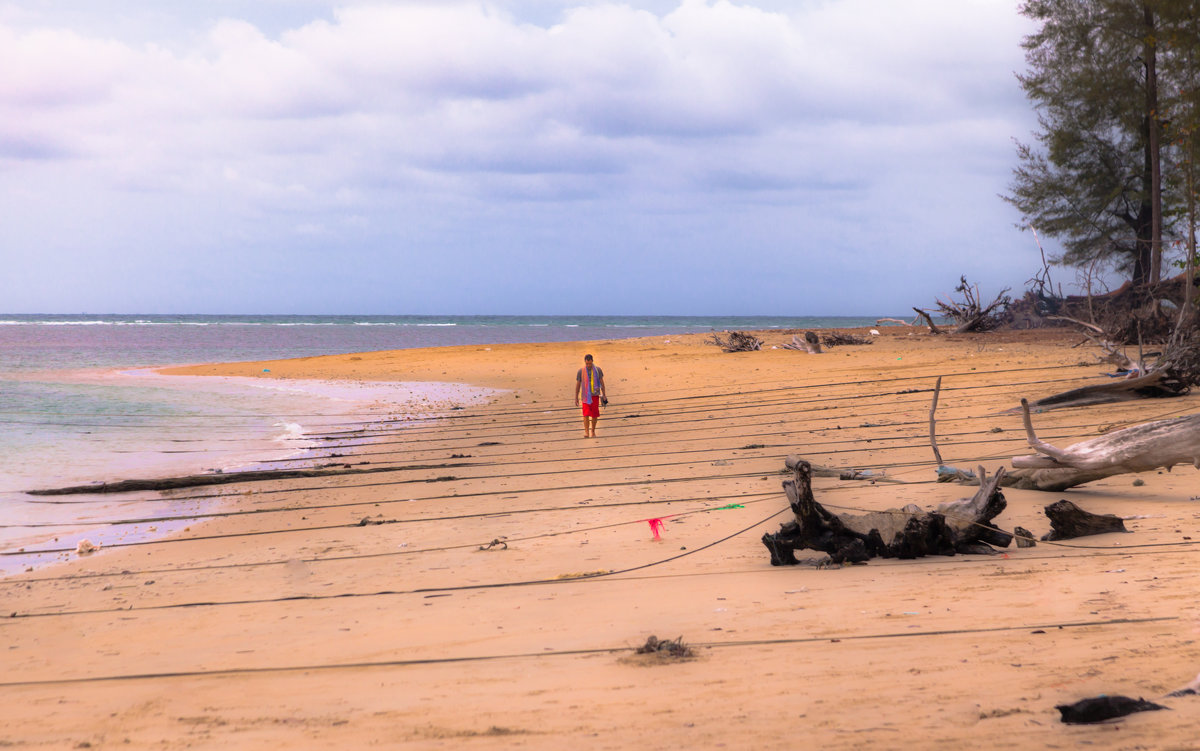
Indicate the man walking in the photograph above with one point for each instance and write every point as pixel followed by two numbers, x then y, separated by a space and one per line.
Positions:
pixel 589 382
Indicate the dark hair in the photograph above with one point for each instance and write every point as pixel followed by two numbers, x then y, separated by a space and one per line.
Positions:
pixel 587 357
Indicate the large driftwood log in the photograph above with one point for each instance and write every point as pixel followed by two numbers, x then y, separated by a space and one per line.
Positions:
pixel 1054 480
pixel 959 526
pixel 1155 384
pixel 1068 521
pixel 1163 443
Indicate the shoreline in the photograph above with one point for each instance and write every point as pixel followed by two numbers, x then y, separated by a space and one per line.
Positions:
pixel 396 595
pixel 105 504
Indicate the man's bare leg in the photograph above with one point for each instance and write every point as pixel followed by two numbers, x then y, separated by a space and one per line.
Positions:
pixel 594 419
pixel 587 433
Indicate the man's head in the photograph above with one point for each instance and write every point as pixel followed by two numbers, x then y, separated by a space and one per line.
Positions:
pixel 587 359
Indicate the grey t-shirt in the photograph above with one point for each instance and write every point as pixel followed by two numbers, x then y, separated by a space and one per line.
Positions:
pixel 586 388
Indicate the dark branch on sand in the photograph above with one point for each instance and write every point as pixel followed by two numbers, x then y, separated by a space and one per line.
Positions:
pixel 225 478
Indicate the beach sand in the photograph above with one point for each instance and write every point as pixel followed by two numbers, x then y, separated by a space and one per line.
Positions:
pixel 291 622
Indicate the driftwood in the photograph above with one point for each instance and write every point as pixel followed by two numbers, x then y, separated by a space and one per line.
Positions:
pixel 1103 708
pixel 1155 384
pixel 959 526
pixel 1140 448
pixel 738 341
pixel 1068 521
pixel 837 339
pixel 924 315
pixel 811 343
pixel 193 481
pixel 1054 480
pixel 969 314
pixel 1163 443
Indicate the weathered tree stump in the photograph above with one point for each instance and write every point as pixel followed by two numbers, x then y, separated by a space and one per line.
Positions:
pixel 959 526
pixel 1068 521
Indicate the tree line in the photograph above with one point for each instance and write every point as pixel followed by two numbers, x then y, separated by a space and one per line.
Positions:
pixel 1112 170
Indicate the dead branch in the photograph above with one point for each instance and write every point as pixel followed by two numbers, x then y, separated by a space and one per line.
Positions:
pixel 937 390
pixel 738 341
pixel 933 329
pixel 969 314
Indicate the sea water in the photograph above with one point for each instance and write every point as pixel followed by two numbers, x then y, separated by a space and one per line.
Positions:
pixel 81 403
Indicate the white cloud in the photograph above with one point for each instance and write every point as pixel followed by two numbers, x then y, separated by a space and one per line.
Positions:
pixel 431 114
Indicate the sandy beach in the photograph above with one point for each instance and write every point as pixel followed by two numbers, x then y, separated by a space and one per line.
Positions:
pixel 488 586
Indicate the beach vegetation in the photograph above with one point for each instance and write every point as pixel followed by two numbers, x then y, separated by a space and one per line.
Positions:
pixel 1111 170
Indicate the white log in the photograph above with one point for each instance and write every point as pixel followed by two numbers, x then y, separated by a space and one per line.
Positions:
pixel 1163 443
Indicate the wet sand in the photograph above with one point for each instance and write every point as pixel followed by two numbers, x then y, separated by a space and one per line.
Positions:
pixel 355 611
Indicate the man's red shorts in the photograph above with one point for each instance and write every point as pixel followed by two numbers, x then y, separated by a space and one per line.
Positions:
pixel 593 409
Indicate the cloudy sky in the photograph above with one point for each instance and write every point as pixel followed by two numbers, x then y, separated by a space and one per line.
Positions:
pixel 516 156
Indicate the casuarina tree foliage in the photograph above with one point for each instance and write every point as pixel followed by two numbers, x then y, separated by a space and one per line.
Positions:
pixel 1114 83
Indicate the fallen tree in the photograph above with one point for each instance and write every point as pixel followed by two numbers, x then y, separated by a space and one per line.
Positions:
pixel 962 526
pixel 1140 448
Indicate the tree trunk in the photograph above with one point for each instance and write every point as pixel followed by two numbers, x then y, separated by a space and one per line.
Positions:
pixel 1140 448
pixel 1154 151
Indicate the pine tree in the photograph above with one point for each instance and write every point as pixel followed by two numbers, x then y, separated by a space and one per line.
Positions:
pixel 1094 178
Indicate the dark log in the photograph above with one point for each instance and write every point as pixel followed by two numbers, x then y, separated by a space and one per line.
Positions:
pixel 1153 385
pixel 895 533
pixel 1104 707
pixel 223 478
pixel 1068 521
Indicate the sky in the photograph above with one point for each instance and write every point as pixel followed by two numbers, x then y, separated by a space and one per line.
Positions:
pixel 694 157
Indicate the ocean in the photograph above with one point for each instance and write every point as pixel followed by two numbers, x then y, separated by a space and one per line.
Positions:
pixel 80 403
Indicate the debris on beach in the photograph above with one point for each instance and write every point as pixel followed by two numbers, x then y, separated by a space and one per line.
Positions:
pixel 738 341
pixel 837 339
pixel 1191 689
pixel 1068 521
pixel 1103 707
pixel 811 343
pixel 674 648
pixel 496 544
pixel 1140 448
pixel 87 547
pixel 962 526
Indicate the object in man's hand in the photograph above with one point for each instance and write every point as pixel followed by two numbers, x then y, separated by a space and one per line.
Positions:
pixel 604 401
